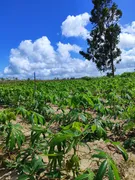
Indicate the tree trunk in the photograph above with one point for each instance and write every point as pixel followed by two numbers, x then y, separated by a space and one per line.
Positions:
pixel 112 66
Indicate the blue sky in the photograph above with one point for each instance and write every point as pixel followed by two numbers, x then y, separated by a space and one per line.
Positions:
pixel 32 19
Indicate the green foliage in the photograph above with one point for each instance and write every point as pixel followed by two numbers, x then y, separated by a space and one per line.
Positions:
pixel 31 116
pixel 98 129
pixel 107 167
pixel 87 175
pixel 72 116
pixel 63 142
pixel 62 116
pixel 104 36
pixel 6 116
pixel 14 136
pixel 129 143
pixel 30 165
pixel 121 149
pixel 73 165
pixel 36 132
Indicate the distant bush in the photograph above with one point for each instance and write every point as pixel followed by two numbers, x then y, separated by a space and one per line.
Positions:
pixel 128 74
pixel 87 78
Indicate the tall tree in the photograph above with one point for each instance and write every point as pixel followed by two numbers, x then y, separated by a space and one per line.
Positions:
pixel 104 36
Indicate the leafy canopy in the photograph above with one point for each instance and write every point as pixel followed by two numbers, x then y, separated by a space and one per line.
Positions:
pixel 104 36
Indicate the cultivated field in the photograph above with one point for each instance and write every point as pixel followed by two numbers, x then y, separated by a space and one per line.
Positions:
pixel 68 129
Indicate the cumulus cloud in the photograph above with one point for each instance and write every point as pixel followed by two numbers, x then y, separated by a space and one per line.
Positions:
pixel 127 36
pixel 127 45
pixel 128 60
pixel 127 40
pixel 129 28
pixel 40 57
pixel 75 26
pixel 30 56
pixel 48 62
pixel 64 50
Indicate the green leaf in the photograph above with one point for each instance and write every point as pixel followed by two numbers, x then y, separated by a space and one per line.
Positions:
pixel 71 145
pixel 121 149
pixel 101 155
pixel 26 169
pixel 37 163
pixel 101 170
pixel 85 176
pixel 115 170
pixel 14 136
pixel 83 118
pixel 23 177
pixel 93 128
pixel 110 173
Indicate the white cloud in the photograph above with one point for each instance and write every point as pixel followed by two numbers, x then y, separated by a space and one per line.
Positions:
pixel 129 28
pixel 127 40
pixel 128 59
pixel 74 26
pixel 127 36
pixel 127 45
pixel 40 57
pixel 30 56
pixel 64 50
